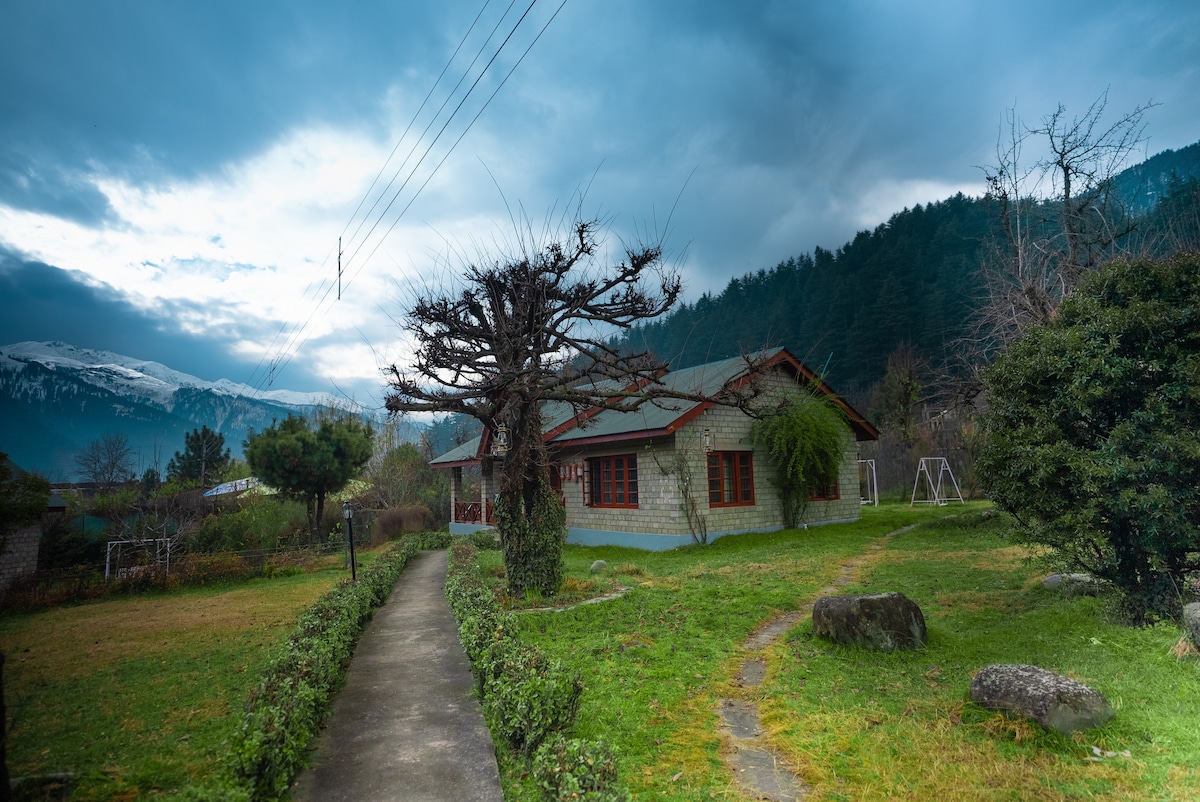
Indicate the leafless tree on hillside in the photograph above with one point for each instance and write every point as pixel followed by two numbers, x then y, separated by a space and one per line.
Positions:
pixel 1057 220
pixel 107 461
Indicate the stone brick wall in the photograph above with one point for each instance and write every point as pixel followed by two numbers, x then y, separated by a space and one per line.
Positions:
pixel 20 554
pixel 659 510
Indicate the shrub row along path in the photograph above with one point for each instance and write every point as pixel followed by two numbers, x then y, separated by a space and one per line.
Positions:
pixel 759 770
pixel 406 726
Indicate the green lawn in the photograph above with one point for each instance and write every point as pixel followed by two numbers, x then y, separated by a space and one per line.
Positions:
pixel 863 725
pixel 137 696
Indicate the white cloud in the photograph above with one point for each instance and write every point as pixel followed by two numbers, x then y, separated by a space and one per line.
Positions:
pixel 253 248
pixel 885 198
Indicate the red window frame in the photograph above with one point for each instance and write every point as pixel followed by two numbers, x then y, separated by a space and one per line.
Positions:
pixel 613 481
pixel 730 478
pixel 831 493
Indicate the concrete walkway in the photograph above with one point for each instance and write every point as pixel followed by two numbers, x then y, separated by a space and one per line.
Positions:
pixel 405 726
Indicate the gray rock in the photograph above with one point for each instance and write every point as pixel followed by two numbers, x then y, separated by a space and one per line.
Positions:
pixel 1052 700
pixel 881 621
pixel 1191 623
pixel 1074 584
pixel 599 567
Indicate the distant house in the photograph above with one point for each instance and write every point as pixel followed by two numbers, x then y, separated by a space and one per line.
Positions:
pixel 19 557
pixel 670 472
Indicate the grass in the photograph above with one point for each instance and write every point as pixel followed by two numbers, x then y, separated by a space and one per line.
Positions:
pixel 137 696
pixel 865 725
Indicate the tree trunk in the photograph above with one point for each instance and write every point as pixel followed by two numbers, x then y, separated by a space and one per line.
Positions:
pixel 529 519
pixel 5 786
pixel 317 537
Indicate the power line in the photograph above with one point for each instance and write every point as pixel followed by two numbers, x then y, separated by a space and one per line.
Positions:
pixel 460 138
pixel 294 342
pixel 277 361
pixel 449 120
pixel 417 114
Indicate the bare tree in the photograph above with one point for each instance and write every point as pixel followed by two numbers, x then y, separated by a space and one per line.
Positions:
pixel 1058 219
pixel 898 394
pixel 523 331
pixel 107 461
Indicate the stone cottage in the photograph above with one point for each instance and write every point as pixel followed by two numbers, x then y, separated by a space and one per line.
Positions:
pixel 671 472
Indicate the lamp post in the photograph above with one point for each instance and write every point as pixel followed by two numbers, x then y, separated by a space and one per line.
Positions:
pixel 348 514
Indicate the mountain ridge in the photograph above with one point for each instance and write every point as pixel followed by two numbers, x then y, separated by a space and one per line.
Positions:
pixel 55 398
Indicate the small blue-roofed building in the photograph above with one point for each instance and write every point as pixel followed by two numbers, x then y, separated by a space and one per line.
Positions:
pixel 671 472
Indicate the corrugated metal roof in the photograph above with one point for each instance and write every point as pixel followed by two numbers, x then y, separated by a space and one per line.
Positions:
pixel 467 452
pixel 236 486
pixel 652 415
pixel 657 414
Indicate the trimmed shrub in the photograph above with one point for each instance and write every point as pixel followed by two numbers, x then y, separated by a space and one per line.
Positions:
pixel 432 540
pixel 290 703
pixel 528 696
pixel 571 768
pixel 484 540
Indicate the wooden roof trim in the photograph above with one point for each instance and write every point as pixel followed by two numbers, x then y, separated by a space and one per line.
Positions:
pixel 599 439
pixel 460 463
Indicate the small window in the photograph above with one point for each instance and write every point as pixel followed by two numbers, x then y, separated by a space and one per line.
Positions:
pixel 613 481
pixel 830 493
pixel 730 479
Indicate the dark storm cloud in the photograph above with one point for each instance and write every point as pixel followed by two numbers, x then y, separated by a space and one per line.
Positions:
pixel 147 90
pixel 792 124
pixel 39 302
pixel 43 185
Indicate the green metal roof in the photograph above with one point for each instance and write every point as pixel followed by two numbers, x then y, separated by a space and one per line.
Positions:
pixel 467 452
pixel 653 416
pixel 659 414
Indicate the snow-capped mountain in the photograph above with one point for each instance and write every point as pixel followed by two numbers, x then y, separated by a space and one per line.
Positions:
pixel 55 398
pixel 139 378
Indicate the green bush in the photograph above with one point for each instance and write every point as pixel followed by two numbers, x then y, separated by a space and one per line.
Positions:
pixel 571 768
pixel 480 623
pixel 484 540
pixel 528 696
pixel 1093 427
pixel 431 540
pixel 806 437
pixel 258 524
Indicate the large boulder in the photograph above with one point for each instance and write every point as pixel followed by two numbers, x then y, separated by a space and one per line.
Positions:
pixel 1191 623
pixel 1052 700
pixel 882 621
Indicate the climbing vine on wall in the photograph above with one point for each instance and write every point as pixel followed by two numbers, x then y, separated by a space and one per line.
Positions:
pixel 682 464
pixel 805 436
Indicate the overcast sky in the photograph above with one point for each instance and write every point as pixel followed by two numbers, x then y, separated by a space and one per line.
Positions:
pixel 174 176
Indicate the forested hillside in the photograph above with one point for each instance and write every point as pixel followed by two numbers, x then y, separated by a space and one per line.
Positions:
pixel 912 278
pixel 915 279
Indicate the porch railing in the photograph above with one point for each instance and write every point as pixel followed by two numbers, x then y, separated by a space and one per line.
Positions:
pixel 473 512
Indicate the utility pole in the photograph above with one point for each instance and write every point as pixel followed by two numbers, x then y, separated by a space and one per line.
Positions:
pixel 339 268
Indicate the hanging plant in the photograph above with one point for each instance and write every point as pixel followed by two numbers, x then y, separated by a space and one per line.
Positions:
pixel 805 437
